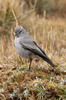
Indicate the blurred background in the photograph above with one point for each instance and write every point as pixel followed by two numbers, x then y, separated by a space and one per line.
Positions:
pixel 45 20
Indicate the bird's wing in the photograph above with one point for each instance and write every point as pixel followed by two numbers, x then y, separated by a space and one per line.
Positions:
pixel 39 48
pixel 31 46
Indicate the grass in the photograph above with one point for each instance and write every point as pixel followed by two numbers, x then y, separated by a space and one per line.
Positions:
pixel 42 83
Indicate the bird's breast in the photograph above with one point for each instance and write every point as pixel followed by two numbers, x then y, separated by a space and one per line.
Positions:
pixel 20 50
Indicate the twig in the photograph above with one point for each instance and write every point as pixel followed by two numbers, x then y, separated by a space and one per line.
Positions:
pixel 15 17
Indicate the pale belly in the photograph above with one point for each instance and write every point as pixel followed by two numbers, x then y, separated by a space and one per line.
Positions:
pixel 21 51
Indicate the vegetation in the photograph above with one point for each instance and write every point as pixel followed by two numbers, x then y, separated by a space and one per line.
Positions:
pixel 44 82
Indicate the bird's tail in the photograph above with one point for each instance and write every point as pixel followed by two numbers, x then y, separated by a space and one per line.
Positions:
pixel 47 59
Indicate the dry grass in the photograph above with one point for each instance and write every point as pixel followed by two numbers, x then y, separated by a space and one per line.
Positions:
pixel 42 83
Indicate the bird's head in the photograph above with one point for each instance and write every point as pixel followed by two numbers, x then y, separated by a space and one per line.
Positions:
pixel 19 30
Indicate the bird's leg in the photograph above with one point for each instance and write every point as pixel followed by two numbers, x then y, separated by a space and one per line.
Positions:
pixel 30 60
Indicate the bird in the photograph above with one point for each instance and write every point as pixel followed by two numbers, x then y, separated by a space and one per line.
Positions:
pixel 27 48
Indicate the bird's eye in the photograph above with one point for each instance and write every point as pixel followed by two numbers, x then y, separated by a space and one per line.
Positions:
pixel 19 32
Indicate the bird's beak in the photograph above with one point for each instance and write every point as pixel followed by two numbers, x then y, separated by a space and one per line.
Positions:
pixel 14 33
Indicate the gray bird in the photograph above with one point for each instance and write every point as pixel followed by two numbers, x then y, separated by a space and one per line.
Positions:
pixel 27 48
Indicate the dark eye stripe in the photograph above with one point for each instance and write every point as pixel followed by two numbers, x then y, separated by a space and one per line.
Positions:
pixel 19 32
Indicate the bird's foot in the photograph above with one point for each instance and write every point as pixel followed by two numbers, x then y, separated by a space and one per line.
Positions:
pixel 28 70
